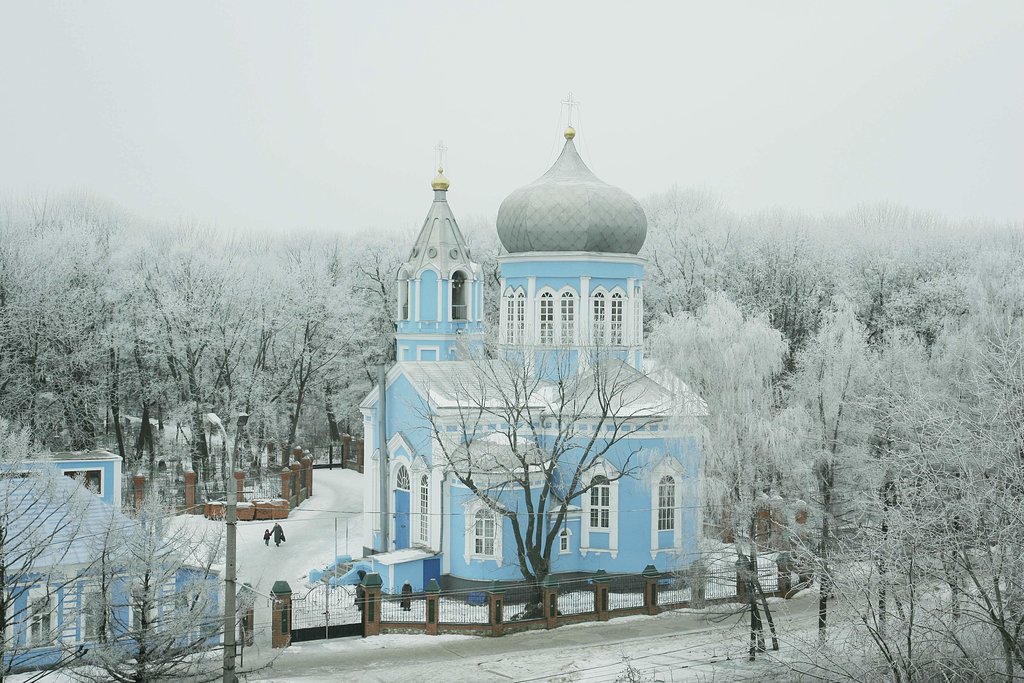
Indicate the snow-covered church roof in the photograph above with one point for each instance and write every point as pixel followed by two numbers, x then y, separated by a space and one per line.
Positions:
pixel 610 387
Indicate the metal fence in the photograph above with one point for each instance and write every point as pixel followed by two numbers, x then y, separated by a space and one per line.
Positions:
pixel 463 607
pixel 518 603
pixel 402 609
pixel 626 592
pixel 576 597
pixel 720 581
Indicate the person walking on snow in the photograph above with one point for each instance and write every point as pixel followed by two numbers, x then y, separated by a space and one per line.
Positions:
pixel 266 537
pixel 278 535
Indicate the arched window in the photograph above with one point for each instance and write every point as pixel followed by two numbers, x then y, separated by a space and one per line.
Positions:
pixel 638 317
pixel 547 318
pixel 403 478
pixel 460 296
pixel 616 320
pixel 567 332
pixel 600 503
pixel 599 320
pixel 425 509
pixel 520 325
pixel 563 540
pixel 510 319
pixel 404 285
pixel 666 504
pixel 483 533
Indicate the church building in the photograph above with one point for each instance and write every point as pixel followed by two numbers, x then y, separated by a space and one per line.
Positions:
pixel 551 437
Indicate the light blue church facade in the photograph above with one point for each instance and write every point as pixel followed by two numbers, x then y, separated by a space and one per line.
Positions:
pixel 557 405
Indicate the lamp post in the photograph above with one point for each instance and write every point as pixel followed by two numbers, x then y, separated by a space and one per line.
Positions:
pixel 231 520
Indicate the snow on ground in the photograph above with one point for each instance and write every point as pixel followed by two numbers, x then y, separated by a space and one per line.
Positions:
pixel 309 532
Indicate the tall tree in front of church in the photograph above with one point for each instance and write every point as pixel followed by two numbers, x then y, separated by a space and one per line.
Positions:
pixel 555 427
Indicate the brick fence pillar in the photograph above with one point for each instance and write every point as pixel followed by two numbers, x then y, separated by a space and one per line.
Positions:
pixel 286 477
pixel 601 583
pixel 496 609
pixel 307 470
pixel 240 486
pixel 190 494
pixel 281 615
pixel 549 593
pixel 139 490
pixel 247 625
pixel 651 576
pixel 297 489
pixel 359 455
pixel 371 604
pixel 296 456
pixel 432 594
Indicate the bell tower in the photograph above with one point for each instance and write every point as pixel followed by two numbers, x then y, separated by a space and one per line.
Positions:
pixel 440 289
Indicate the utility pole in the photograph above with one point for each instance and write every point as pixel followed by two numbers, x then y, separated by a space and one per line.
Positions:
pixel 231 520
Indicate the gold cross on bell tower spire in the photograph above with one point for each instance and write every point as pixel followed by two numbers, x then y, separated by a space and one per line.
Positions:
pixel 570 105
pixel 440 182
pixel 439 151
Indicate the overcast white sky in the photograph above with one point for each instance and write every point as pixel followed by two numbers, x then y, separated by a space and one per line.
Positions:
pixel 276 115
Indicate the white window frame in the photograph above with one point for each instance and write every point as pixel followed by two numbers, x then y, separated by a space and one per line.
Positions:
pixel 546 319
pixel 600 503
pixel 638 316
pixel 34 632
pixel 83 470
pixel 605 470
pixel 599 319
pixel 520 319
pixel 616 319
pixel 567 318
pixel 424 496
pixel 674 469
pixel 565 541
pixel 469 548
pixel 667 503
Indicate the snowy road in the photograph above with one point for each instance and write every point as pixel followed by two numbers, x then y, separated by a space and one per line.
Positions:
pixel 674 646
pixel 310 530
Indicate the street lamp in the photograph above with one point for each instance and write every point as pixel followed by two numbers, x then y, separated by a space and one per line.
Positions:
pixel 231 520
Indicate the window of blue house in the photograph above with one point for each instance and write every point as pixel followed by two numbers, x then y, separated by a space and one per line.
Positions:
pixel 600 503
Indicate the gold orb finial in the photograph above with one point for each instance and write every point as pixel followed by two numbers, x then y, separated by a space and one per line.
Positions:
pixel 570 133
pixel 440 182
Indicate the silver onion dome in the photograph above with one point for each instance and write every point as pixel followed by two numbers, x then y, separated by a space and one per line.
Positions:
pixel 570 209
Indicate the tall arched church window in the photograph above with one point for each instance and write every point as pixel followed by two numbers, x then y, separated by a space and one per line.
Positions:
pixel 510 319
pixel 520 320
pixel 638 317
pixel 425 509
pixel 567 332
pixel 666 504
pixel 483 533
pixel 403 295
pixel 402 478
pixel 600 502
pixel 460 296
pixel 599 320
pixel 547 318
pixel 616 320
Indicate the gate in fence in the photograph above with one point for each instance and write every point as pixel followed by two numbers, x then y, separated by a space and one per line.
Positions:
pixel 326 612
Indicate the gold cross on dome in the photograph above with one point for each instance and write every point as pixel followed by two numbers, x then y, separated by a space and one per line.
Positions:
pixel 440 151
pixel 570 104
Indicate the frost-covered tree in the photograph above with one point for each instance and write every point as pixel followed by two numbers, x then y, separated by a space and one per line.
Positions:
pixel 554 428
pixel 733 361
pixel 39 523
pixel 153 605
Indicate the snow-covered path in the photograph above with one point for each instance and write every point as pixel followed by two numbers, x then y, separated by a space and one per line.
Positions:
pixel 310 533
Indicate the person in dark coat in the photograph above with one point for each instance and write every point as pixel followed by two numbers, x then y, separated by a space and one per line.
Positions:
pixel 266 537
pixel 406 601
pixel 278 535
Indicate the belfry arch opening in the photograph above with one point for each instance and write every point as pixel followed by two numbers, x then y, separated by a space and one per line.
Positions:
pixel 460 296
